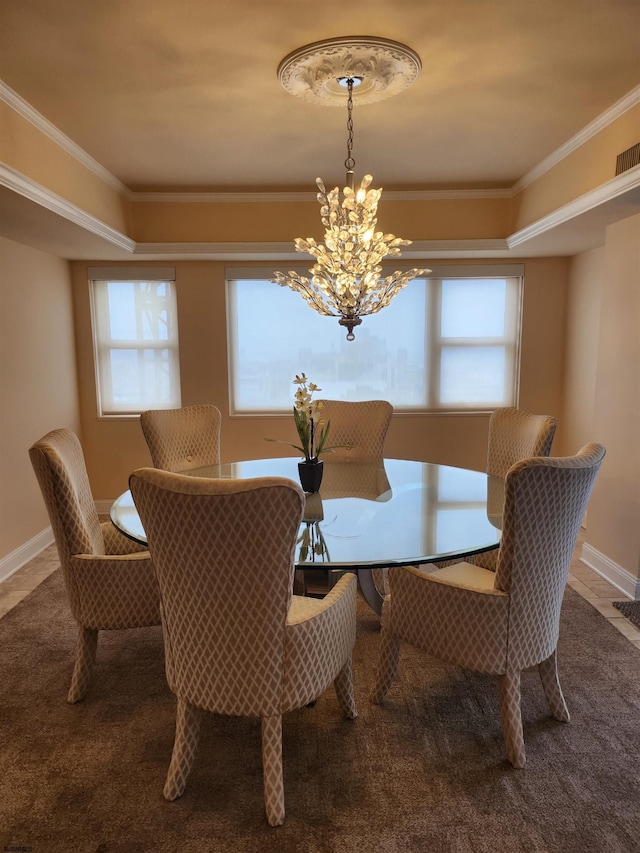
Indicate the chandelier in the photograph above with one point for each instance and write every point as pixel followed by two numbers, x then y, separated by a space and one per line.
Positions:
pixel 346 279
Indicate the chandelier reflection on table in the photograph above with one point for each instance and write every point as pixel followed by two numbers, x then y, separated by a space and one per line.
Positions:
pixel 346 279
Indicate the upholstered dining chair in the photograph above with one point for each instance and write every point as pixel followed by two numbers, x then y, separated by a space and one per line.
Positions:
pixel 237 641
pixel 182 439
pixel 109 579
pixel 513 435
pixel 360 425
pixel 506 621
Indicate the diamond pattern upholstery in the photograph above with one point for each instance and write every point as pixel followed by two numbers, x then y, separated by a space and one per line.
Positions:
pixel 516 435
pixel 182 439
pixel 362 425
pixel 513 435
pixel 237 641
pixel 109 579
pixel 505 621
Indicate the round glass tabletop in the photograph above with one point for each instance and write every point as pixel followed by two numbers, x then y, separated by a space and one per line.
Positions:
pixel 373 513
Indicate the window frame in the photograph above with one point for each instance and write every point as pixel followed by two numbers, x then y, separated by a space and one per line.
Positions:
pixel 434 345
pixel 104 345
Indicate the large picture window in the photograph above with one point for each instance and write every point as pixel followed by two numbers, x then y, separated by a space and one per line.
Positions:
pixel 447 342
pixel 136 339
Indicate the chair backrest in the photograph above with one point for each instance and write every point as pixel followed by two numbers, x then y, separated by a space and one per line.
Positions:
pixel 182 439
pixel 59 465
pixel 515 435
pixel 362 425
pixel 223 552
pixel 545 501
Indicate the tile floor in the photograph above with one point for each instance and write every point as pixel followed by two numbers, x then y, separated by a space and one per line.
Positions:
pixel 583 580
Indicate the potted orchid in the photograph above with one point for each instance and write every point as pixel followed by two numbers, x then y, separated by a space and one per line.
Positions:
pixel 312 433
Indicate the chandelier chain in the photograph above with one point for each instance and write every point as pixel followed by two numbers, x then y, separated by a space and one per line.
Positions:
pixel 349 163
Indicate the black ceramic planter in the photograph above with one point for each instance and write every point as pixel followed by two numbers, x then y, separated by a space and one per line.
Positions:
pixel 310 475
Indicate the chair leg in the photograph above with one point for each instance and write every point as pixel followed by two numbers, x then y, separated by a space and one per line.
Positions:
pixel 548 670
pixel 344 691
pixel 272 769
pixel 388 659
pixel 512 717
pixel 185 745
pixel 83 668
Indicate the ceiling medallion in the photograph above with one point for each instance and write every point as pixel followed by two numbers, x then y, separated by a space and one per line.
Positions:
pixel 385 68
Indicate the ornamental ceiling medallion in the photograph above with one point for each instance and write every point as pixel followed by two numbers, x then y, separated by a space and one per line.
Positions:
pixel 384 67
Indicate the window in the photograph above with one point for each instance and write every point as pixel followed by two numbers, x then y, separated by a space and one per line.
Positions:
pixel 447 342
pixel 136 339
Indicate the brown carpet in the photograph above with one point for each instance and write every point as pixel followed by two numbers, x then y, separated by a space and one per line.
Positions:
pixel 630 609
pixel 424 772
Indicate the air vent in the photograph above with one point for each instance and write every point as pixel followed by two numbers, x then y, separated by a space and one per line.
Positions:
pixel 628 159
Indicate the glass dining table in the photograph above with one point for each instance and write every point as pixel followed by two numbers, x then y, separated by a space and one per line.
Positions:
pixel 372 514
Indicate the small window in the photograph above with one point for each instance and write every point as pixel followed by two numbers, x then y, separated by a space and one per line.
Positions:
pixel 447 342
pixel 136 340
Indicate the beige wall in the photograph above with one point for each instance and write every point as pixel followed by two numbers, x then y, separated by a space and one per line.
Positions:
pixel 593 300
pixel 580 332
pixel 613 527
pixel 586 281
pixel 272 221
pixel 38 389
pixel 543 328
pixel 114 447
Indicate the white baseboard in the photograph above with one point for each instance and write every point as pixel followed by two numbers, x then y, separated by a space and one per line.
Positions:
pixel 614 574
pixel 16 559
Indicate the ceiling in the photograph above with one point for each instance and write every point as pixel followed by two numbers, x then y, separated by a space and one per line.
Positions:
pixel 183 95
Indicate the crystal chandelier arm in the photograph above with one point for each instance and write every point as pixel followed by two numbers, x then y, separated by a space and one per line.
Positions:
pixel 305 288
pixel 386 289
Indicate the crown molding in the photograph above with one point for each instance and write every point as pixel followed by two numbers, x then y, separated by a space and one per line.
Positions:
pixel 284 197
pixel 218 251
pixel 630 100
pixel 617 186
pixel 16 102
pixel 220 197
pixel 284 251
pixel 44 197
pixel 23 108
pixel 472 248
pixel 279 251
